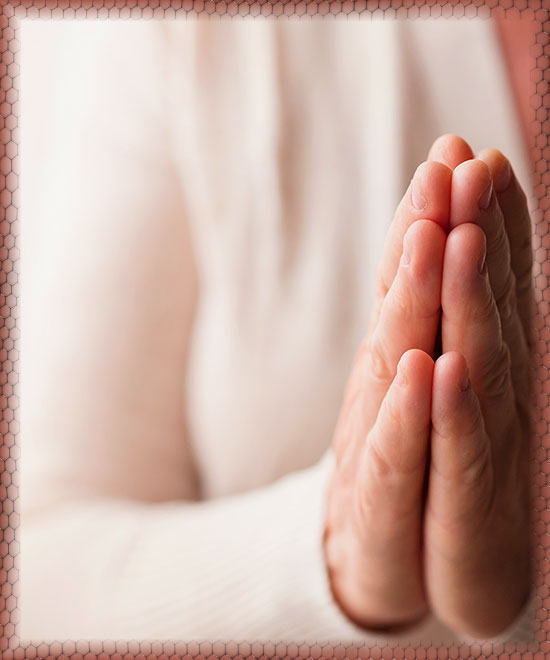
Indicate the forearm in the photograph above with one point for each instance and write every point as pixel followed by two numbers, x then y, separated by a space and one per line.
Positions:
pixel 244 567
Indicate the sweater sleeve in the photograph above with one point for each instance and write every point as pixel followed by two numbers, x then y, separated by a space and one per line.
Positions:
pixel 247 567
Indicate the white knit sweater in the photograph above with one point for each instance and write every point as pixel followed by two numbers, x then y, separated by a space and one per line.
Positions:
pixel 203 206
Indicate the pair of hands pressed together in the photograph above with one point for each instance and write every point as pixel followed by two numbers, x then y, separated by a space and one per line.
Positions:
pixel 428 507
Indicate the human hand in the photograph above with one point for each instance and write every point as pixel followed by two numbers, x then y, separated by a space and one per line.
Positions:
pixel 477 564
pixel 389 562
pixel 373 534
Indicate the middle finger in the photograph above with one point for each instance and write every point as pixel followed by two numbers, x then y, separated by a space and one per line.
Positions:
pixel 473 200
pixel 470 325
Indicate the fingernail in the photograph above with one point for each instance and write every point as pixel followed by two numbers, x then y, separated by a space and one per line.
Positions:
pixel 417 198
pixel 503 178
pixel 485 198
pixel 465 382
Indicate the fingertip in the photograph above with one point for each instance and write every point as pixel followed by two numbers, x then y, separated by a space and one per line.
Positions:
pixel 465 249
pixel 451 368
pixel 433 171
pixel 454 403
pixel 473 172
pixel 427 197
pixel 450 150
pixel 423 251
pixel 472 191
pixel 408 402
pixel 465 290
pixel 430 193
pixel 423 228
pixel 415 366
pixel 499 167
pixel 426 233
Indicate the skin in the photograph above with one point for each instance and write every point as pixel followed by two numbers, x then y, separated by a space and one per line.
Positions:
pixel 428 507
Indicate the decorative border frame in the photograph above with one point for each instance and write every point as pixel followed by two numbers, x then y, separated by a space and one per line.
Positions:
pixel 11 11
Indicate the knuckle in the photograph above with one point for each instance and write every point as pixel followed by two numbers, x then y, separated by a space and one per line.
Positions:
pixel 496 375
pixel 449 429
pixel 386 495
pixel 393 418
pixel 456 428
pixel 413 296
pixel 365 512
pixel 476 466
pixel 379 369
pixel 497 239
pixel 402 303
pixel 378 461
pixel 505 298
pixel 360 356
pixel 473 505
pixel 393 454
pixel 484 309
pixel 480 512
pixel 385 446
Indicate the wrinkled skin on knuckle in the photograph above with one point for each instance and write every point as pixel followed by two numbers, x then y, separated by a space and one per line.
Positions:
pixel 481 310
pixel 377 363
pixel 479 516
pixel 415 299
pixel 403 303
pixel 524 245
pixel 466 310
pixel 469 465
pixel 380 464
pixel 472 508
pixel 476 467
pixel 448 428
pixel 497 238
pixel 384 512
pixel 495 378
pixel 506 298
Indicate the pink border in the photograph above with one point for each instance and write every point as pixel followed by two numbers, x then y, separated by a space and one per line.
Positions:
pixel 10 13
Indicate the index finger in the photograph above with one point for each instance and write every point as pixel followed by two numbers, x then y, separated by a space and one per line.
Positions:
pixel 428 197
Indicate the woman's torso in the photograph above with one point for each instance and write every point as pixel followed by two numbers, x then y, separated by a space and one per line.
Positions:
pixel 295 142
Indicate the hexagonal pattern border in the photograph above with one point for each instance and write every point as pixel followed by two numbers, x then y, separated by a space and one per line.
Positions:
pixel 11 11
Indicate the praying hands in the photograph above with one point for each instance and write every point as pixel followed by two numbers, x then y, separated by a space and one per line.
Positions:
pixel 428 506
